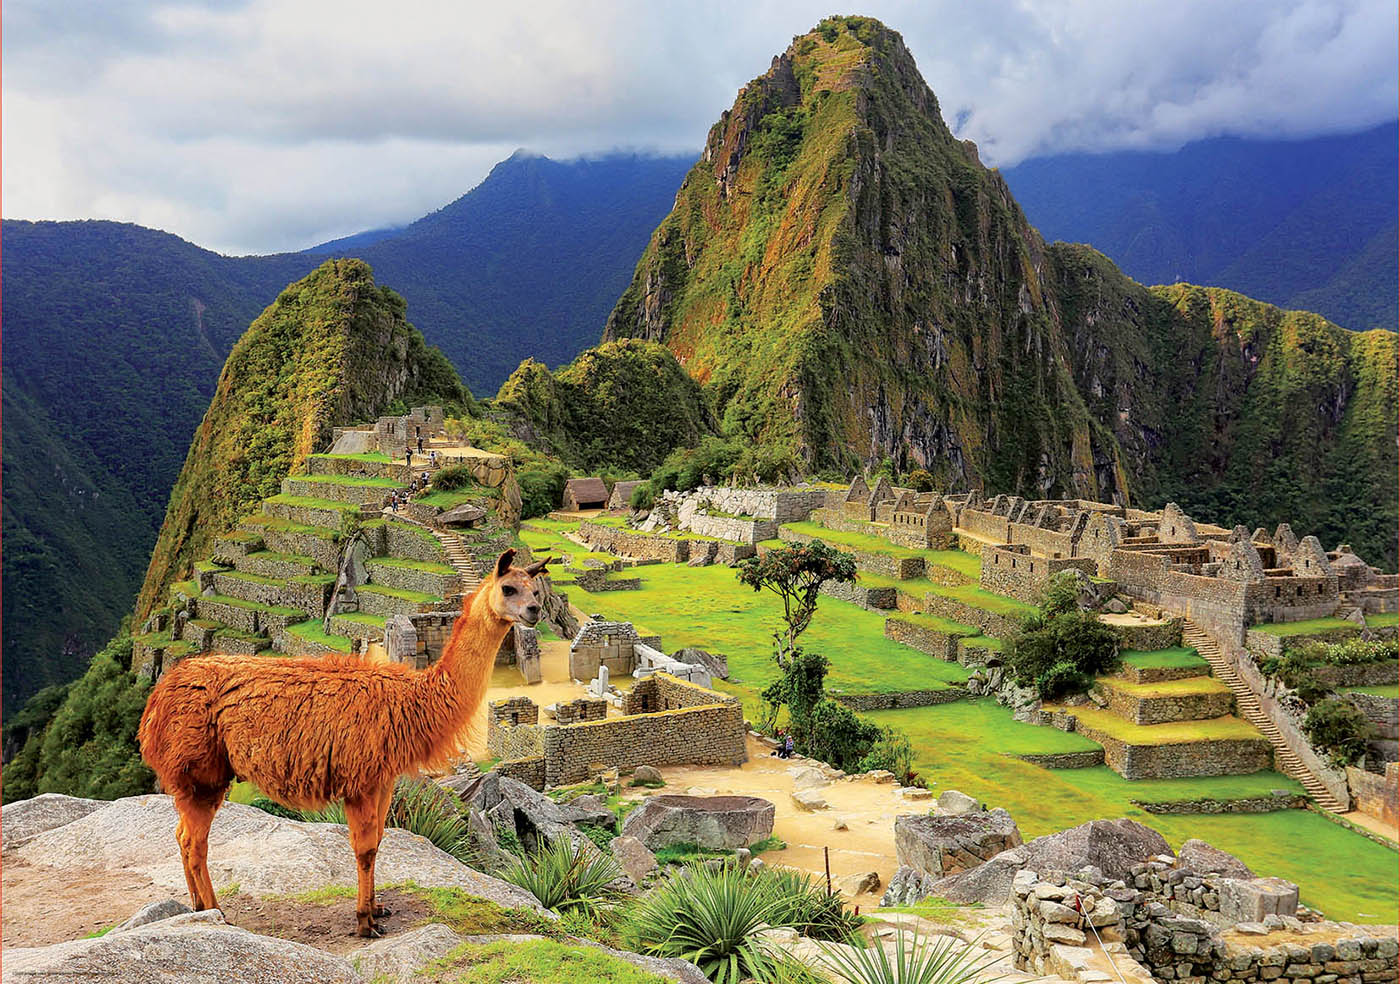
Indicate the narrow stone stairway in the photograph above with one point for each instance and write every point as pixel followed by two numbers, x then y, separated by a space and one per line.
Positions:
pixel 1248 707
pixel 459 558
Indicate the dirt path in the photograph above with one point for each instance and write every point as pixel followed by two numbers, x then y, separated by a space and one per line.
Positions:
pixel 43 906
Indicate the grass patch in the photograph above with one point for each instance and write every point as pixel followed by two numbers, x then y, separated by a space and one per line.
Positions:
pixel 449 500
pixel 1305 627
pixel 1377 620
pixel 1177 657
pixel 326 894
pixel 417 597
pixel 355 481
pixel 287 526
pixel 936 910
pixel 866 542
pixel 312 631
pixel 421 532
pixel 536 961
pixel 309 502
pixel 1170 688
pixel 979 597
pixel 1173 733
pixel 769 843
pixel 426 566
pixel 471 916
pixel 363 618
pixel 251 605
pixel 373 456
pixel 1380 690
pixel 989 643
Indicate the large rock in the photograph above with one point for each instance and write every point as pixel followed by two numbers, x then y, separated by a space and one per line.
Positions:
pixel 940 846
pixel 1253 899
pixel 713 822
pixel 908 886
pixel 153 912
pixel 809 800
pixel 188 949
pixel 1204 859
pixel 1112 846
pixel 263 854
pixel 23 819
pixel 633 857
pixel 953 802
pixel 396 959
pixel 715 664
pixel 531 815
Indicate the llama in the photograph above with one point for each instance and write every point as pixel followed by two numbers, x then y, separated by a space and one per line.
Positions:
pixel 308 732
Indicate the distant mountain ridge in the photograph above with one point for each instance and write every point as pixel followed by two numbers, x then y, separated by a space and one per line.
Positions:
pixel 1305 224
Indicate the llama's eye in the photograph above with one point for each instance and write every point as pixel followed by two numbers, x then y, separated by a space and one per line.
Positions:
pixel 507 590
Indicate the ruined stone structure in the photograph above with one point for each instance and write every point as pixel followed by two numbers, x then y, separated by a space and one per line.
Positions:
pixel 584 493
pixel 617 647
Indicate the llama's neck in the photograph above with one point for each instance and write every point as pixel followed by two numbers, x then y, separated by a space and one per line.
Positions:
pixel 454 687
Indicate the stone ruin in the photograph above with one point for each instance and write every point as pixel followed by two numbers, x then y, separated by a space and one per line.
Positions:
pixel 616 647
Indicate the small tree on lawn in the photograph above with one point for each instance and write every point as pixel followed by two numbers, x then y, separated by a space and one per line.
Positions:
pixel 795 574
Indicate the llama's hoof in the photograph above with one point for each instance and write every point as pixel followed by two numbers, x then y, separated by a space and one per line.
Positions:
pixel 382 911
pixel 369 932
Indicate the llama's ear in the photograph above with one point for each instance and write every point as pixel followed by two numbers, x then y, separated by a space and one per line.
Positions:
pixel 537 567
pixel 504 561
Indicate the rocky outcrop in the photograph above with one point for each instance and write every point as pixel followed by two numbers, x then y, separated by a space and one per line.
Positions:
pixel 263 854
pixel 940 846
pixel 1208 859
pixel 510 805
pixel 27 818
pixel 193 948
pixel 712 822
pixel 633 857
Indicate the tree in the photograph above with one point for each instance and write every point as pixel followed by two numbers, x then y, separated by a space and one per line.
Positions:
pixel 1060 649
pixel 796 574
pixel 919 480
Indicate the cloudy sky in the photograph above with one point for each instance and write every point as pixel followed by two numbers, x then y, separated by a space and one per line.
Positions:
pixel 261 125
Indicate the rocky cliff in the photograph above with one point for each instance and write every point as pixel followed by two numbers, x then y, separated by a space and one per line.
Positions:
pixel 843 275
pixel 333 349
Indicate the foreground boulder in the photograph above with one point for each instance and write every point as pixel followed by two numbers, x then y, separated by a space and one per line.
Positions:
pixel 939 846
pixel 193 948
pixel 712 822
pixel 533 817
pixel 1112 846
pixel 262 854
pixel 28 818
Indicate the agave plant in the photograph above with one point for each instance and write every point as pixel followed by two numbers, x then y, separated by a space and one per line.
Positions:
pixel 424 807
pixel 804 905
pixel 707 915
pixel 916 960
pixel 563 875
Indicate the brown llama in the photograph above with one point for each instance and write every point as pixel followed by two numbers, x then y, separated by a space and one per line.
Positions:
pixel 308 732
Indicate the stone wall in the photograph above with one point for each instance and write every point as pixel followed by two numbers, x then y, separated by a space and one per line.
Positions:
pixel 874 599
pixel 1064 760
pixel 778 505
pixel 922 637
pixel 1377 795
pixel 1011 570
pixel 903 698
pixel 710 733
pixel 1207 805
pixel 529 770
pixel 1151 636
pixel 1382 712
pixel 409 542
pixel 984 524
pixel 1220 757
pixel 900 568
pixel 580 709
pixel 1166 709
pixel 609 644
pixel 992 624
pixel 735 528
pixel 668 549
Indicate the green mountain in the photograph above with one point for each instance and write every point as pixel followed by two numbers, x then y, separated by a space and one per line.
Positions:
pixel 844 277
pixel 333 349
pixel 1304 223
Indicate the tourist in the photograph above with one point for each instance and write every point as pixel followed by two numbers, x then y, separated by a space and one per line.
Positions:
pixel 432 459
pixel 394 501
pixel 420 443
pixel 782 746
pixel 408 458
pixel 789 746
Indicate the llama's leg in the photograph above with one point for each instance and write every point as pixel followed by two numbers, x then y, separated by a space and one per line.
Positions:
pixel 386 796
pixel 197 812
pixel 182 838
pixel 361 813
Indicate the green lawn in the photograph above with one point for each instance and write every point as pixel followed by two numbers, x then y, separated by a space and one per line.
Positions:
pixel 978 597
pixel 309 502
pixel 1171 688
pixel 376 456
pixel 1381 619
pixel 1177 657
pixel 939 624
pixel 426 566
pixel 538 961
pixel 1305 627
pixel 311 631
pixel 287 526
pixel 450 500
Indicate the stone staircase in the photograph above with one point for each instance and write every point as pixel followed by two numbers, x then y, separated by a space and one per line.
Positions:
pixel 1248 707
pixel 459 558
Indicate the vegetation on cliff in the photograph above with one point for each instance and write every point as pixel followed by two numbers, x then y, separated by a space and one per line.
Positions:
pixel 333 349
pixel 846 280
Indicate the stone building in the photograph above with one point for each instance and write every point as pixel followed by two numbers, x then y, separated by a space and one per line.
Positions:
pixel 584 493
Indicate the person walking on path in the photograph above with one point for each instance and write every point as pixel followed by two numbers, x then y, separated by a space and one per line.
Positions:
pixel 408 458
pixel 420 443
pixel 790 746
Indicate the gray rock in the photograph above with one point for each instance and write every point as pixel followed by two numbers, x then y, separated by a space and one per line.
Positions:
pixel 940 846
pixel 589 809
pixel 263 854
pixel 23 819
pixel 1204 859
pixel 953 802
pixel 809 800
pixel 853 885
pixel 714 663
pixel 1254 899
pixel 645 773
pixel 908 886
pixel 154 912
pixel 712 822
pixel 189 949
pixel 633 857
pixel 398 958
pixel 532 816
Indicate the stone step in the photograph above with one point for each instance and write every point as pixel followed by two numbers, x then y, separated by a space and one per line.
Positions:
pixel 266 563
pixel 236 544
pixel 1247 703
pixel 341 488
pixel 433 579
pixel 305 594
pixel 379 600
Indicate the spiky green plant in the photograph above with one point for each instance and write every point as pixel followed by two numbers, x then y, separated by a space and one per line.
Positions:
pixel 916 960
pixel 564 876
pixel 804 905
pixel 707 915
pixel 424 807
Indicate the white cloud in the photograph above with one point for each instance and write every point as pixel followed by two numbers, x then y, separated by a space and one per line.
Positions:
pixel 272 124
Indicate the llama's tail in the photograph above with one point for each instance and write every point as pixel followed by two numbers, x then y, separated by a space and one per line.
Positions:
pixel 177 735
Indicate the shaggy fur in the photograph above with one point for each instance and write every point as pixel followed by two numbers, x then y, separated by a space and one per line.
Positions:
pixel 311 731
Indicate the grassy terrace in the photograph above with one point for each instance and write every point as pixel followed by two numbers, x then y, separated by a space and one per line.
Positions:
pixel 308 502
pixel 1174 733
pixel 1377 620
pixel 940 624
pixel 252 605
pixel 287 526
pixel 450 500
pixel 363 618
pixel 1171 688
pixel 374 456
pixel 1177 657
pixel 1380 690
pixel 353 480
pixel 311 631
pixel 417 597
pixel 620 523
pixel 428 567
pixel 957 560
pixel 1305 627
pixel 423 533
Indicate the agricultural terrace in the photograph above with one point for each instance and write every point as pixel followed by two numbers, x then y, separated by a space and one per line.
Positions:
pixel 972 745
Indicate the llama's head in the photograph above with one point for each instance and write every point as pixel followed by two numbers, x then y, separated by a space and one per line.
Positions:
pixel 514 592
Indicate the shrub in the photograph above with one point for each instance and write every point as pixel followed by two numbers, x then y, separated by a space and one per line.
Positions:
pixel 942 960
pixel 1339 729
pixel 564 876
pixel 541 488
pixel 687 468
pixel 708 916
pixel 920 480
pixel 453 478
pixel 838 736
pixel 1062 654
pixel 642 497
pixel 893 753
